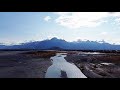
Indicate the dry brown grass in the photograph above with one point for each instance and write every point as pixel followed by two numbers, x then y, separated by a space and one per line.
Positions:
pixel 72 52
pixel 114 59
pixel 41 54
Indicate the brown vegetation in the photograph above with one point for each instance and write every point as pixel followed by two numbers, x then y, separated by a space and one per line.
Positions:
pixel 107 58
pixel 22 65
pixel 91 64
pixel 41 54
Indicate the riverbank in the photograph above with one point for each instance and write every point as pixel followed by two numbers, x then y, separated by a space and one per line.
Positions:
pixel 34 64
pixel 21 64
pixel 96 65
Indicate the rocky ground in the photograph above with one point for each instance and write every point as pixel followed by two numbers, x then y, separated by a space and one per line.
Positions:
pixel 34 64
pixel 21 64
pixel 97 66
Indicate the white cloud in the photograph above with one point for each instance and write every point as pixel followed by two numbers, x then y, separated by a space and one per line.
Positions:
pixel 77 19
pixel 115 14
pixel 74 20
pixel 117 17
pixel 117 21
pixel 104 33
pixel 47 18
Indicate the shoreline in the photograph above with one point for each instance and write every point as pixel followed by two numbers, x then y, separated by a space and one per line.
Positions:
pixel 34 64
pixel 96 66
pixel 17 65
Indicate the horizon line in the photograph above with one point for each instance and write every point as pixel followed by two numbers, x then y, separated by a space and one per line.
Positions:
pixel 77 40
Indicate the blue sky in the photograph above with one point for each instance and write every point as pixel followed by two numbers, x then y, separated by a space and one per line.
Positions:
pixel 18 27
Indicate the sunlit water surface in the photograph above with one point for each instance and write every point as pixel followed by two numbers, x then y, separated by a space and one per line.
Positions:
pixel 58 64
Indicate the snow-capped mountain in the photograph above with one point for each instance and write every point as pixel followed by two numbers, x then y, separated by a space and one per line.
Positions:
pixel 55 43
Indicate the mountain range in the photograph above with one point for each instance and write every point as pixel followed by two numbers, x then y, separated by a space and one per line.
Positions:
pixel 56 43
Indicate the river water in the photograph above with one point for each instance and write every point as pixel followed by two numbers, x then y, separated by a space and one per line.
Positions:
pixel 60 64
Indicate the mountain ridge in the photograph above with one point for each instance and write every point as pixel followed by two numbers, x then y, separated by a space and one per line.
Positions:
pixel 62 44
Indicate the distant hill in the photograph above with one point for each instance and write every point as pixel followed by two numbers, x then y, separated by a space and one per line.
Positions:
pixel 55 48
pixel 60 44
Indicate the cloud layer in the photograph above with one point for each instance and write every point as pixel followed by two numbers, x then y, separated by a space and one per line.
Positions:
pixel 104 33
pixel 74 20
pixel 47 18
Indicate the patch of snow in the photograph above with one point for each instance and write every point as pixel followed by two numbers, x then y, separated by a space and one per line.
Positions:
pixel 107 63
pixel 92 53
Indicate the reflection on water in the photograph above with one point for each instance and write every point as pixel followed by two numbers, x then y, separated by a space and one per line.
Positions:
pixel 60 64
pixel 92 53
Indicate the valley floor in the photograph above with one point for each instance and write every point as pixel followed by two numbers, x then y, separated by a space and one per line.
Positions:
pixel 105 65
pixel 34 64
pixel 14 64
